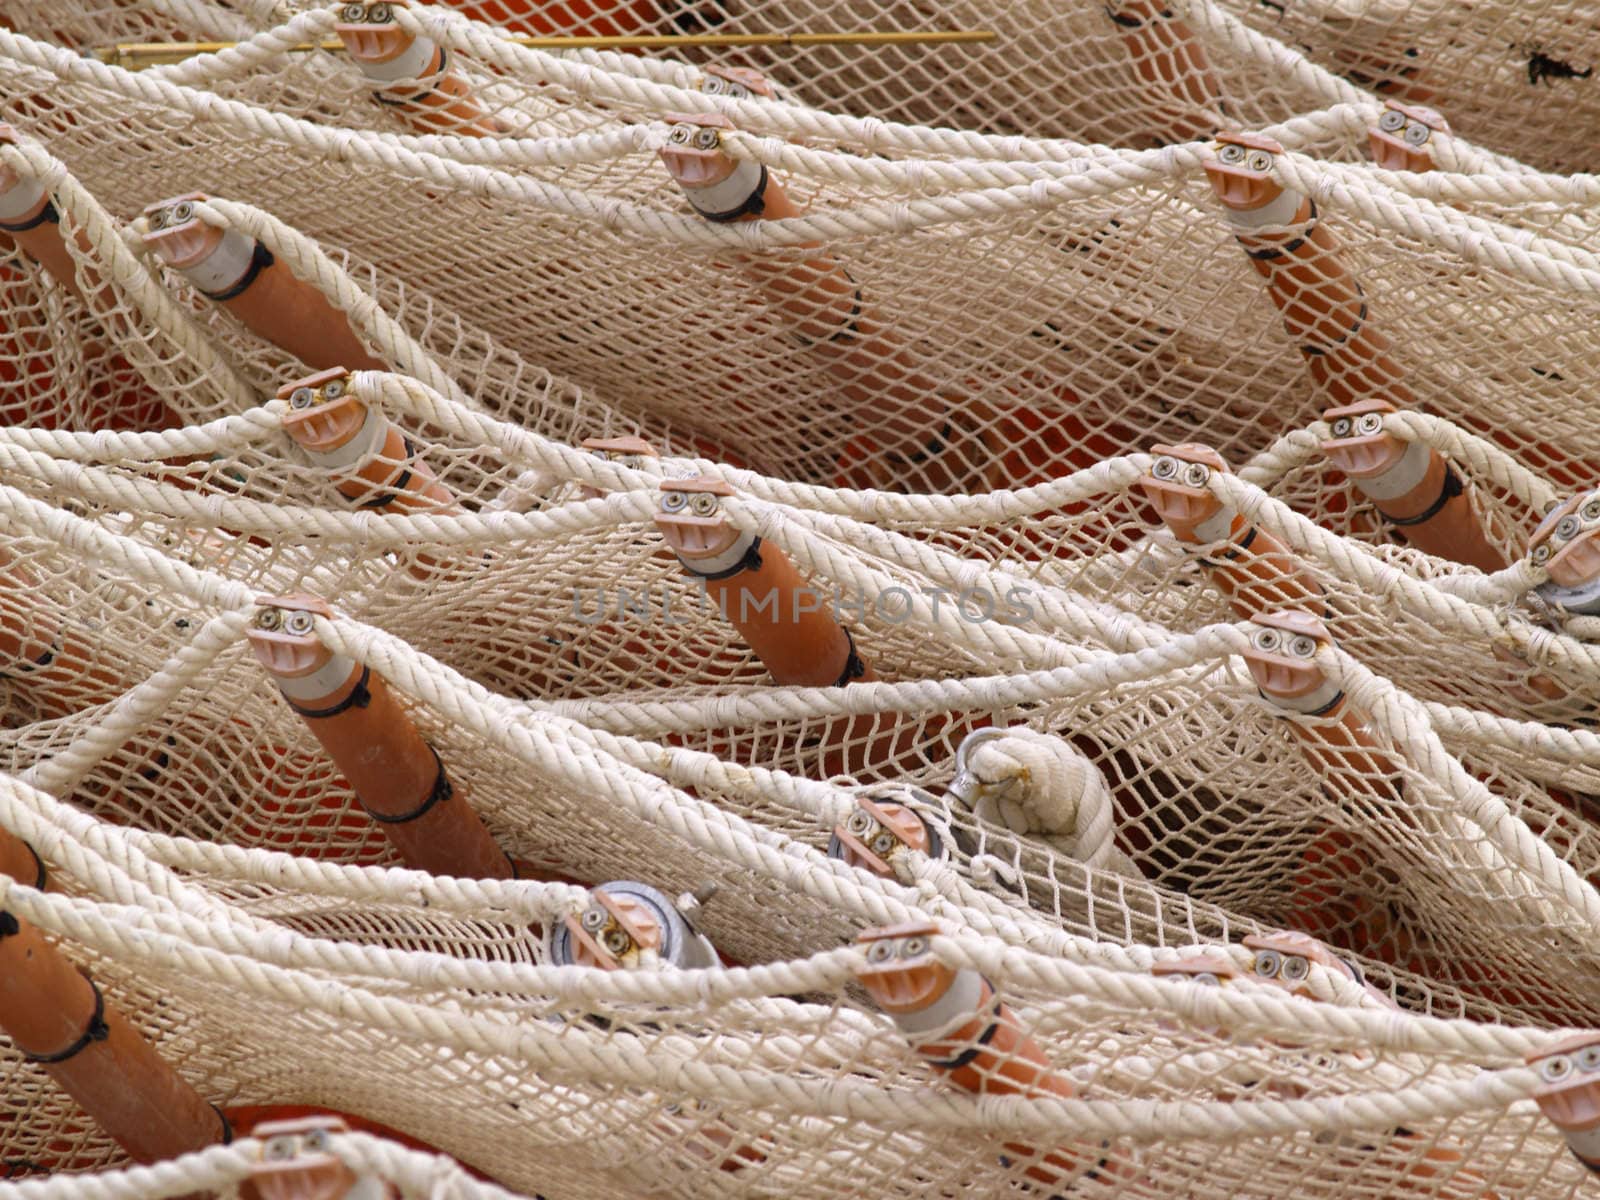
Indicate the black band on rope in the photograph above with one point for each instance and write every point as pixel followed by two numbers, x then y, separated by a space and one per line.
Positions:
pixel 96 1031
pixel 47 213
pixel 854 668
pixel 851 328
pixel 441 791
pixel 972 1052
pixel 392 492
pixel 260 259
pixel 360 696
pixel 750 562
pixel 1448 491
pixel 755 203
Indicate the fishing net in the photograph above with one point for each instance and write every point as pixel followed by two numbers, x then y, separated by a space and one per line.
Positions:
pixel 939 393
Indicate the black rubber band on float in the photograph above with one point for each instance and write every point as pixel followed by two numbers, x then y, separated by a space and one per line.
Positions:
pixel 227 1126
pixel 971 1052
pixel 1268 253
pixel 1448 491
pixel 9 925
pixel 393 491
pixel 755 203
pixel 750 562
pixel 441 791
pixel 854 668
pixel 48 214
pixel 38 664
pixel 96 1031
pixel 1092 1173
pixel 1232 553
pixel 402 101
pixel 1316 712
pixel 936 445
pixel 1127 22
pixel 1361 320
pixel 360 696
pixel 851 328
pixel 260 259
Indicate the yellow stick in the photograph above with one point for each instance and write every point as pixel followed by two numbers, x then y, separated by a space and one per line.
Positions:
pixel 135 56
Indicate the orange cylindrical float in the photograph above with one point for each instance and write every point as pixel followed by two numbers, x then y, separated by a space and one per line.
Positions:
pixel 28 215
pixel 1169 58
pixel 629 926
pixel 1412 485
pixel 955 1021
pixel 1322 304
pixel 757 589
pixel 787 622
pixel 923 438
pixel 397 776
pixel 56 1016
pixel 1254 570
pixel 243 276
pixel 41 648
pixel 917 435
pixel 375 463
pixel 19 861
pixel 627 451
pixel 1282 662
pixel 29 218
pixel 411 74
pixel 1283 958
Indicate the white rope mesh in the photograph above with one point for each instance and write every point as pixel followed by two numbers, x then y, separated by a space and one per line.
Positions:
pixel 934 384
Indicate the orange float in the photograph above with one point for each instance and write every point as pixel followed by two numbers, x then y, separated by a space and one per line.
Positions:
pixel 396 774
pixel 1168 57
pixel 411 74
pixel 57 1018
pixel 1254 570
pixel 118 399
pixel 242 275
pixel 1322 304
pixel 1411 484
pixel 958 1025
